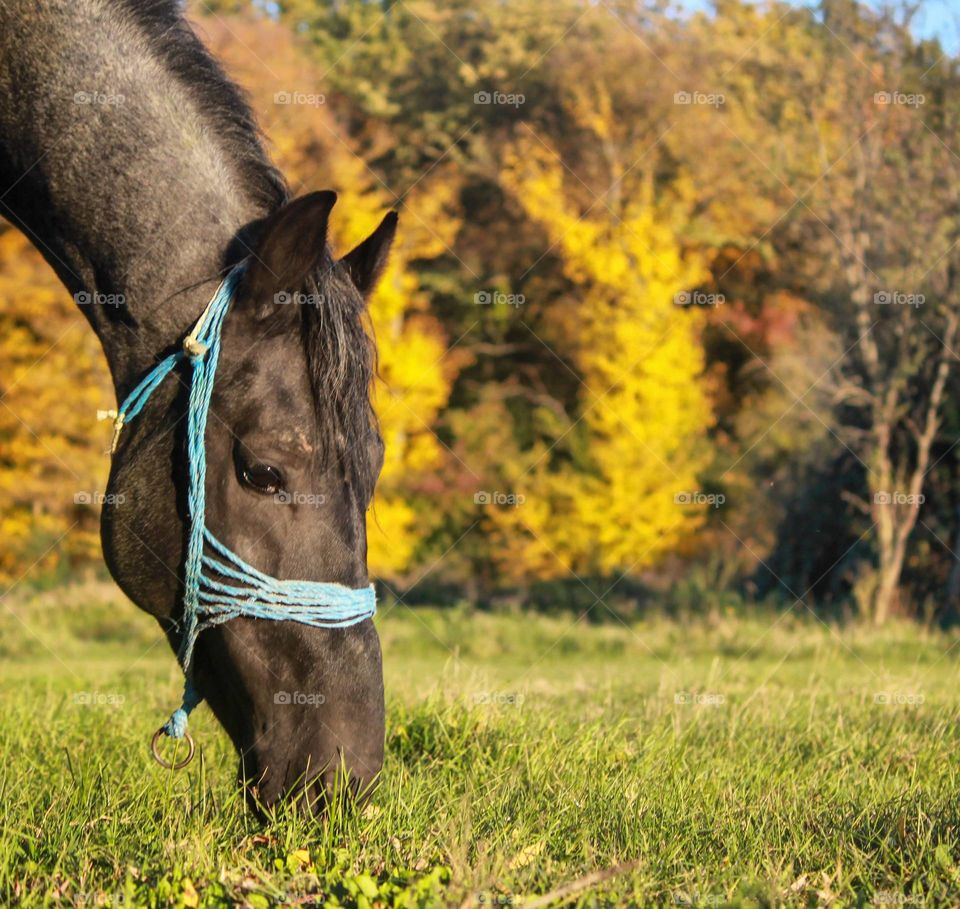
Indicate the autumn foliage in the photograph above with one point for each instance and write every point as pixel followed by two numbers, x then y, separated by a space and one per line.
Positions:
pixel 628 329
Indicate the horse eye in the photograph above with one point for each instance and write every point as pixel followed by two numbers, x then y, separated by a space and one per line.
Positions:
pixel 263 478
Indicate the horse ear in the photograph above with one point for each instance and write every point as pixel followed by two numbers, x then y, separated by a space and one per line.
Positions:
pixel 291 244
pixel 367 262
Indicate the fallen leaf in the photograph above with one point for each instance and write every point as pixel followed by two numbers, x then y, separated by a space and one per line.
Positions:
pixel 526 855
pixel 191 898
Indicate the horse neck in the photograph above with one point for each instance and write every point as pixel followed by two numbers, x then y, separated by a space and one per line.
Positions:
pixel 115 173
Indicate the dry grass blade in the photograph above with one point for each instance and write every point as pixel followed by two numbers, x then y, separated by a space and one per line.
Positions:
pixel 572 888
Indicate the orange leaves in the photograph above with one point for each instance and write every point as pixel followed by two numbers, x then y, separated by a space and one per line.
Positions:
pixel 52 380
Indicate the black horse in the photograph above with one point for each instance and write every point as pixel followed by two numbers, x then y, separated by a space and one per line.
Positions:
pixel 136 168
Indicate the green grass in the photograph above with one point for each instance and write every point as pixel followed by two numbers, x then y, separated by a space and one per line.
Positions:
pixel 736 761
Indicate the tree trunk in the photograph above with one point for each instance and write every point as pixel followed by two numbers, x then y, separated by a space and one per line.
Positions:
pixel 886 601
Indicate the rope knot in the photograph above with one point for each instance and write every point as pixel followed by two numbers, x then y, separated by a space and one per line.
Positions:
pixel 118 418
pixel 193 347
pixel 176 726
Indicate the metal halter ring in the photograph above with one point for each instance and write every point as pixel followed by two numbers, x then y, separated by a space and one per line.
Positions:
pixel 162 761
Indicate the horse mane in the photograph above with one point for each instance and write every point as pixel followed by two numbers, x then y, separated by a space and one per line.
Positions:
pixel 341 363
pixel 340 354
pixel 174 42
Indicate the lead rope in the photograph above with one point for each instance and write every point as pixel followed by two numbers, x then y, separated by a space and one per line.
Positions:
pixel 212 600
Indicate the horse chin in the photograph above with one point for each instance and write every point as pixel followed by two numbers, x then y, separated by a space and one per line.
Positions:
pixel 313 762
pixel 309 724
pixel 332 790
pixel 310 777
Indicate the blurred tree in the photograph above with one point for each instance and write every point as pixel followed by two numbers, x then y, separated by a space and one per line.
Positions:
pixel 612 505
pixel 593 198
pixel 884 226
pixel 53 378
pixel 414 81
pixel 843 120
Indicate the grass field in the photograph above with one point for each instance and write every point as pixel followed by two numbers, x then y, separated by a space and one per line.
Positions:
pixel 732 761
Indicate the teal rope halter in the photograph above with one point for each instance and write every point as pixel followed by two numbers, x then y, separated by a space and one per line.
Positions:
pixel 238 589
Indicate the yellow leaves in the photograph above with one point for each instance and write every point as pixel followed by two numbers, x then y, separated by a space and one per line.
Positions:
pixel 592 107
pixel 414 388
pixel 391 535
pixel 189 897
pixel 640 359
pixel 430 216
pixel 526 855
pixel 298 859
